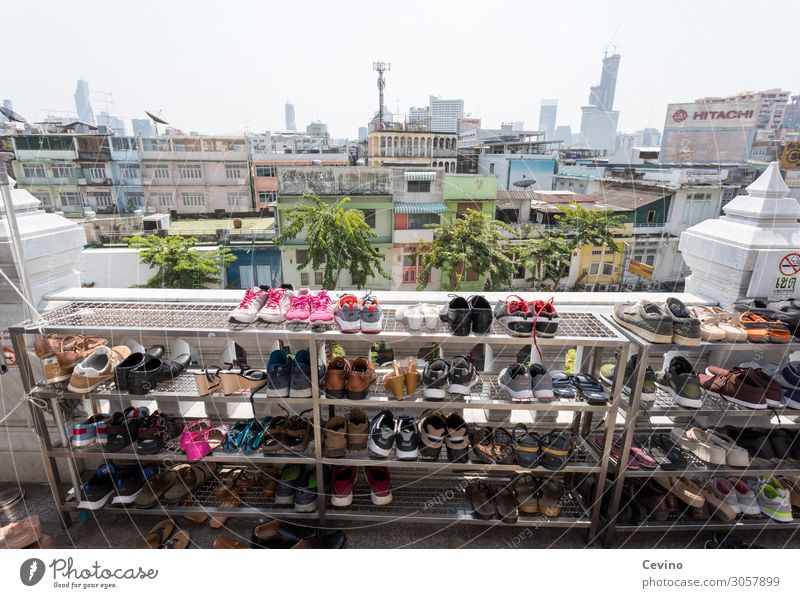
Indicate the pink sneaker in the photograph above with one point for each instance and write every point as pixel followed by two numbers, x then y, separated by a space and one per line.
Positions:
pixel 321 309
pixel 278 303
pixel 300 307
pixel 254 300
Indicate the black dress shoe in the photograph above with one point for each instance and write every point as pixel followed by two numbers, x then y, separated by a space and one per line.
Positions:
pixel 458 315
pixel 481 314
pixel 145 378
pixel 332 541
pixel 132 362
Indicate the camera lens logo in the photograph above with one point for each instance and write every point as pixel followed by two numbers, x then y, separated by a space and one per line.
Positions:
pixel 680 115
pixel 31 572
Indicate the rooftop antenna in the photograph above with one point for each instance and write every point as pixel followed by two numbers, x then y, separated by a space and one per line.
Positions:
pixel 156 120
pixel 381 67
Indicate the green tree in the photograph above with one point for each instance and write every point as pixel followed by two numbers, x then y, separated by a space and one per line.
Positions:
pixel 474 242
pixel 547 254
pixel 338 239
pixel 180 265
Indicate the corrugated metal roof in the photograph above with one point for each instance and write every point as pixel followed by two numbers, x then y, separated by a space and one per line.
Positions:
pixel 420 175
pixel 419 208
pixel 629 197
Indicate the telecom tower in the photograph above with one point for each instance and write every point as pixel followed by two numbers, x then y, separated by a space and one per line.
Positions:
pixel 381 67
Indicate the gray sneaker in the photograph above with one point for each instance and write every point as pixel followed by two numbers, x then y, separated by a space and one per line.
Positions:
pixel 516 381
pixel 685 328
pixel 648 320
pixel 347 313
pixel 541 384
pixel 371 314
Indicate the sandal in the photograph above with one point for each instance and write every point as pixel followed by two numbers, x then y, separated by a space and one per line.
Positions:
pixel 527 489
pixel 155 432
pixel 155 487
pixel 503 447
pixel 590 389
pixel 269 477
pixel 208 381
pixel 684 490
pixel 299 431
pixel 255 434
pixel 505 500
pixel 244 379
pixel 160 533
pixel 562 385
pixel 231 502
pixel 227 482
pixel 527 446
pixel 192 503
pixel 552 493
pixel 236 434
pixel 123 428
pixel 276 434
pixel 482 441
pixel 185 482
pixel 556 448
pixel 480 497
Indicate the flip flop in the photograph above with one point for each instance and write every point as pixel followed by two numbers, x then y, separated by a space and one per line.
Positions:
pixel 179 540
pixel 590 389
pixel 230 502
pixel 562 384
pixel 160 533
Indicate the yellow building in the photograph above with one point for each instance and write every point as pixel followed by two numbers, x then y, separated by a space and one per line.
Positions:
pixel 593 265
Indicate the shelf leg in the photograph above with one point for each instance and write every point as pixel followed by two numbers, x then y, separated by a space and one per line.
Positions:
pixel 313 348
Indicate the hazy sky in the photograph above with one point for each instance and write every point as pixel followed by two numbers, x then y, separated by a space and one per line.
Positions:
pixel 225 66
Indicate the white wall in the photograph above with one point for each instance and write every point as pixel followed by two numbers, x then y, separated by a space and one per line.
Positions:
pixel 113 267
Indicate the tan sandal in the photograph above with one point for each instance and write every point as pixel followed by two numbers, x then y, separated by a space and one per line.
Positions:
pixel 208 382
pixel 179 540
pixel 394 381
pixel 684 490
pixel 413 377
pixel 230 502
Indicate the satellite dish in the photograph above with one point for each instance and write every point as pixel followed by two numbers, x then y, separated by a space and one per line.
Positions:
pixel 524 183
pixel 156 119
pixel 11 115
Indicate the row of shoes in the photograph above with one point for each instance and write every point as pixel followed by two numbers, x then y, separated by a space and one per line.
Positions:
pixel 725 498
pixel 275 534
pixel 147 433
pixel 516 316
pixel 534 383
pixel 525 494
pixel 736 447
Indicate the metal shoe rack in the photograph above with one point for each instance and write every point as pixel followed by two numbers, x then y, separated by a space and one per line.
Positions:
pixel 664 414
pixel 427 492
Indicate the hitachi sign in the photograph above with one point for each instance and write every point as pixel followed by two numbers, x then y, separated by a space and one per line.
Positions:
pixel 712 115
pixel 722 114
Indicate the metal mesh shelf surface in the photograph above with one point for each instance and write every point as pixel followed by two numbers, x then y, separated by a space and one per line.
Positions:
pixel 664 404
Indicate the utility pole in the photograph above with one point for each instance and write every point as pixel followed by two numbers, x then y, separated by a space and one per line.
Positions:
pixel 381 67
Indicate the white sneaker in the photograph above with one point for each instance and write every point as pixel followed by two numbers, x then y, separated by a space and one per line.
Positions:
pixel 746 497
pixel 254 300
pixel 413 316
pixel 431 314
pixel 278 302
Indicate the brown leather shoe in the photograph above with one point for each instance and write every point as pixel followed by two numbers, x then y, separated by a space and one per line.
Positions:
pixel 48 345
pixel 76 348
pixel 361 377
pixel 357 430
pixel 336 377
pixel 334 435
pixel 228 542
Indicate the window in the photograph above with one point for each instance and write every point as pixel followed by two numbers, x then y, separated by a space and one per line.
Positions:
pixel 462 207
pixel 650 259
pixel 597 252
pixel 411 267
pixel 268 171
pixel 651 215
pixel 164 199
pixel 418 221
pixel 263 275
pixel 594 268
pixel 34 170
pixel 42 196
pixel 300 256
pixel 237 199
pixel 369 217
pixel 97 172
pixel 43 142
pixel 63 171
pixel 608 269
pixel 491 168
pixel 161 172
pixel 303 279
pixel 101 200
pixel 234 171
pixel 190 171
pixel 419 186
pixel 70 198
pixel 246 279
pixel 318 279
pixel 266 197
pixel 135 199
pixel 193 199
pixel 131 171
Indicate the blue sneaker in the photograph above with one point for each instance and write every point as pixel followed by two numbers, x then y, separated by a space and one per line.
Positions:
pixel 279 373
pixel 96 492
pixel 130 483
pixel 300 385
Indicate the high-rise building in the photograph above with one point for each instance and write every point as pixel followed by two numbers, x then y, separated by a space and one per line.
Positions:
pixel 289 113
pixel 563 133
pixel 419 118
pixel 362 134
pixel 599 119
pixel 143 127
pixel 445 114
pixel 791 117
pixel 519 125
pixel 547 118
pixel 104 119
pixel 773 106
pixel 83 106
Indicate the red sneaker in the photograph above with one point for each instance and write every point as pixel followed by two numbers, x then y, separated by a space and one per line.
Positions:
pixel 380 485
pixel 342 481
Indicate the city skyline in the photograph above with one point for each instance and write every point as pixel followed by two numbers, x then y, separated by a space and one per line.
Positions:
pixel 228 100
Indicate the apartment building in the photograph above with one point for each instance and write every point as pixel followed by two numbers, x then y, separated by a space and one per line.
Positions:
pixel 196 174
pixel 395 146
pixel 46 166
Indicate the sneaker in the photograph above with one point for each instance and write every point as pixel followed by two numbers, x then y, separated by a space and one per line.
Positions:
pixel 432 431
pixel 343 479
pixel 85 433
pixel 347 314
pixel 678 378
pixel 321 309
pixel 381 435
pixel 406 438
pixel 334 437
pixel 648 320
pixel 357 430
pixel 545 318
pixel 336 377
pixel 434 379
pixel 96 492
pixel 278 303
pixel 514 314
pixel 457 316
pixel 75 349
pixel 97 369
pixel 305 496
pixel 480 314
pixel 457 440
pixel 360 379
pixel 287 484
pixel 279 373
pixel 413 316
pixel 380 485
pixel 462 376
pixel 746 497
pixel 516 381
pixel 130 483
pixel 737 385
pixel 371 314
pixel 254 299
pixel 300 383
pixel 773 499
pixel 608 372
pixel 299 310
pixel 685 328
pixel 724 491
pixel 541 384
pixel 54 372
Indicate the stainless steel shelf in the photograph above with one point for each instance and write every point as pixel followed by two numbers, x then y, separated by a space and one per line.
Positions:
pixel 664 405
pixel 211 319
pixel 709 525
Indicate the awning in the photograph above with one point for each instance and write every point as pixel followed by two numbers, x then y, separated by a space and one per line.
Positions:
pixel 420 175
pixel 419 208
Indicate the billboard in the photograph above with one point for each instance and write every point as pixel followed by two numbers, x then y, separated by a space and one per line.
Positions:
pixel 790 158
pixel 709 132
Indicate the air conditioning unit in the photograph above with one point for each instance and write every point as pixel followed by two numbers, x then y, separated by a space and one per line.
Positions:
pixel 613 288
pixel 602 287
pixel 81 181
pixel 589 288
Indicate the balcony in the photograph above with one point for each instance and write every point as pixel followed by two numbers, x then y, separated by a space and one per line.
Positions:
pixel 649 228
pixel 443 153
pixel 413 236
